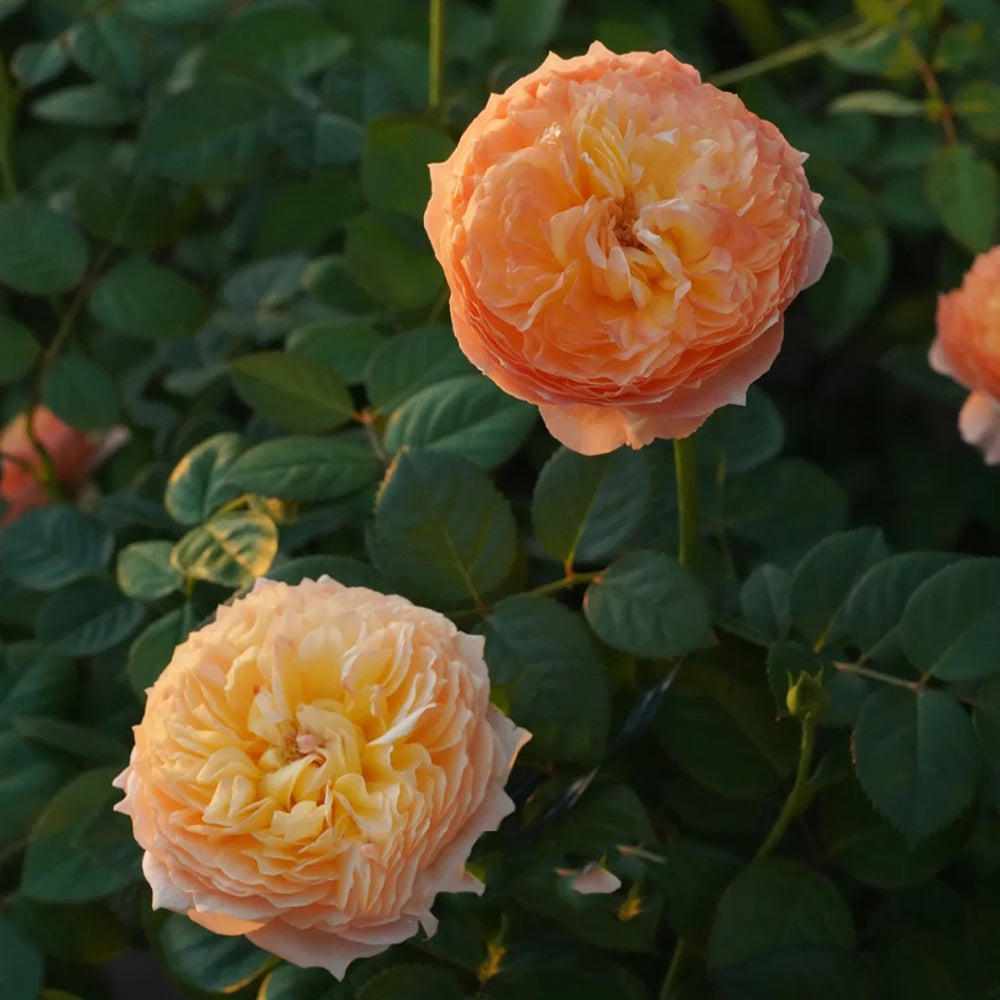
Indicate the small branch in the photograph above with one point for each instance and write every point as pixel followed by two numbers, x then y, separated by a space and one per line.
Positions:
pixel 877 675
pixel 794 53
pixel 933 89
pixel 672 980
pixel 570 580
pixel 367 420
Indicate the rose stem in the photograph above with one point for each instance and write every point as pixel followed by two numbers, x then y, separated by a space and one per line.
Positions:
pixel 436 69
pixel 687 500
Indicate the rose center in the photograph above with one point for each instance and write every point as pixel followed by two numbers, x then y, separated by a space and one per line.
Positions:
pixel 623 221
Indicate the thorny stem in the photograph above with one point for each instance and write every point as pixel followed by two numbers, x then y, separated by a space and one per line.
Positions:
pixel 877 675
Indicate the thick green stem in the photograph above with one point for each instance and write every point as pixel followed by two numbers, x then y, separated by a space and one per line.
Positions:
pixel 436 54
pixel 687 500
pixel 798 797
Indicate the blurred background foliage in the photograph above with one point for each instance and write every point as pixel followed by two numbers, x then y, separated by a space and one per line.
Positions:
pixel 210 233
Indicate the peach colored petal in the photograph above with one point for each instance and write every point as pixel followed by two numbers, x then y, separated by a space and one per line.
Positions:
pixel 620 242
pixel 596 881
pixel 314 766
pixel 979 424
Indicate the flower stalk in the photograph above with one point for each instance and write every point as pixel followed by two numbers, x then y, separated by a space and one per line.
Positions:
pixel 687 500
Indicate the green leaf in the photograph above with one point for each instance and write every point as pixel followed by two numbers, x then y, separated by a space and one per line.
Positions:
pixel 965 191
pixel 927 966
pixel 84 742
pixel 394 173
pixel 978 105
pixel 350 572
pixel 466 416
pixel 293 391
pixel 585 509
pixel 207 961
pixel 872 851
pixel 197 486
pixel 559 980
pixel 392 263
pixel 541 653
pixel 750 752
pixel 951 624
pixel 34 681
pixel 345 345
pixel 874 609
pixel 29 777
pixel 302 468
pixel 648 604
pixel 171 12
pixel 92 105
pixel 139 299
pixel 22 971
pixel 853 282
pixel 79 849
pixel 916 758
pixel 693 876
pixel 86 617
pixel 986 721
pixel 83 393
pixel 41 253
pixel 18 350
pixel 86 933
pixel 213 132
pixel 35 63
pixel 154 646
pixel 777 904
pixel 119 208
pixel 825 575
pixel 230 549
pixel 290 983
pixel 739 438
pixel 424 534
pixel 765 601
pixel 409 362
pixel 527 25
pixel 820 972
pixel 266 284
pixel 144 570
pixel 413 982
pixel 287 40
pixel 784 506
pixel 877 102
pixel 107 49
pixel 48 547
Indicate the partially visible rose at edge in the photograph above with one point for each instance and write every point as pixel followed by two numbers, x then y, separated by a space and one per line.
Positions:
pixel 621 241
pixel 74 455
pixel 967 348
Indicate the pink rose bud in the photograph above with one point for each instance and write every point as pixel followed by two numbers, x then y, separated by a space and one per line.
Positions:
pixel 621 241
pixel 74 455
pixel 314 766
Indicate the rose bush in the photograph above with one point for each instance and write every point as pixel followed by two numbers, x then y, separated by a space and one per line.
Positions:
pixel 765 736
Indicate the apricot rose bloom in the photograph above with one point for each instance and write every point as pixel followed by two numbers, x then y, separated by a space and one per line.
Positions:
pixel 74 454
pixel 967 348
pixel 620 241
pixel 314 766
